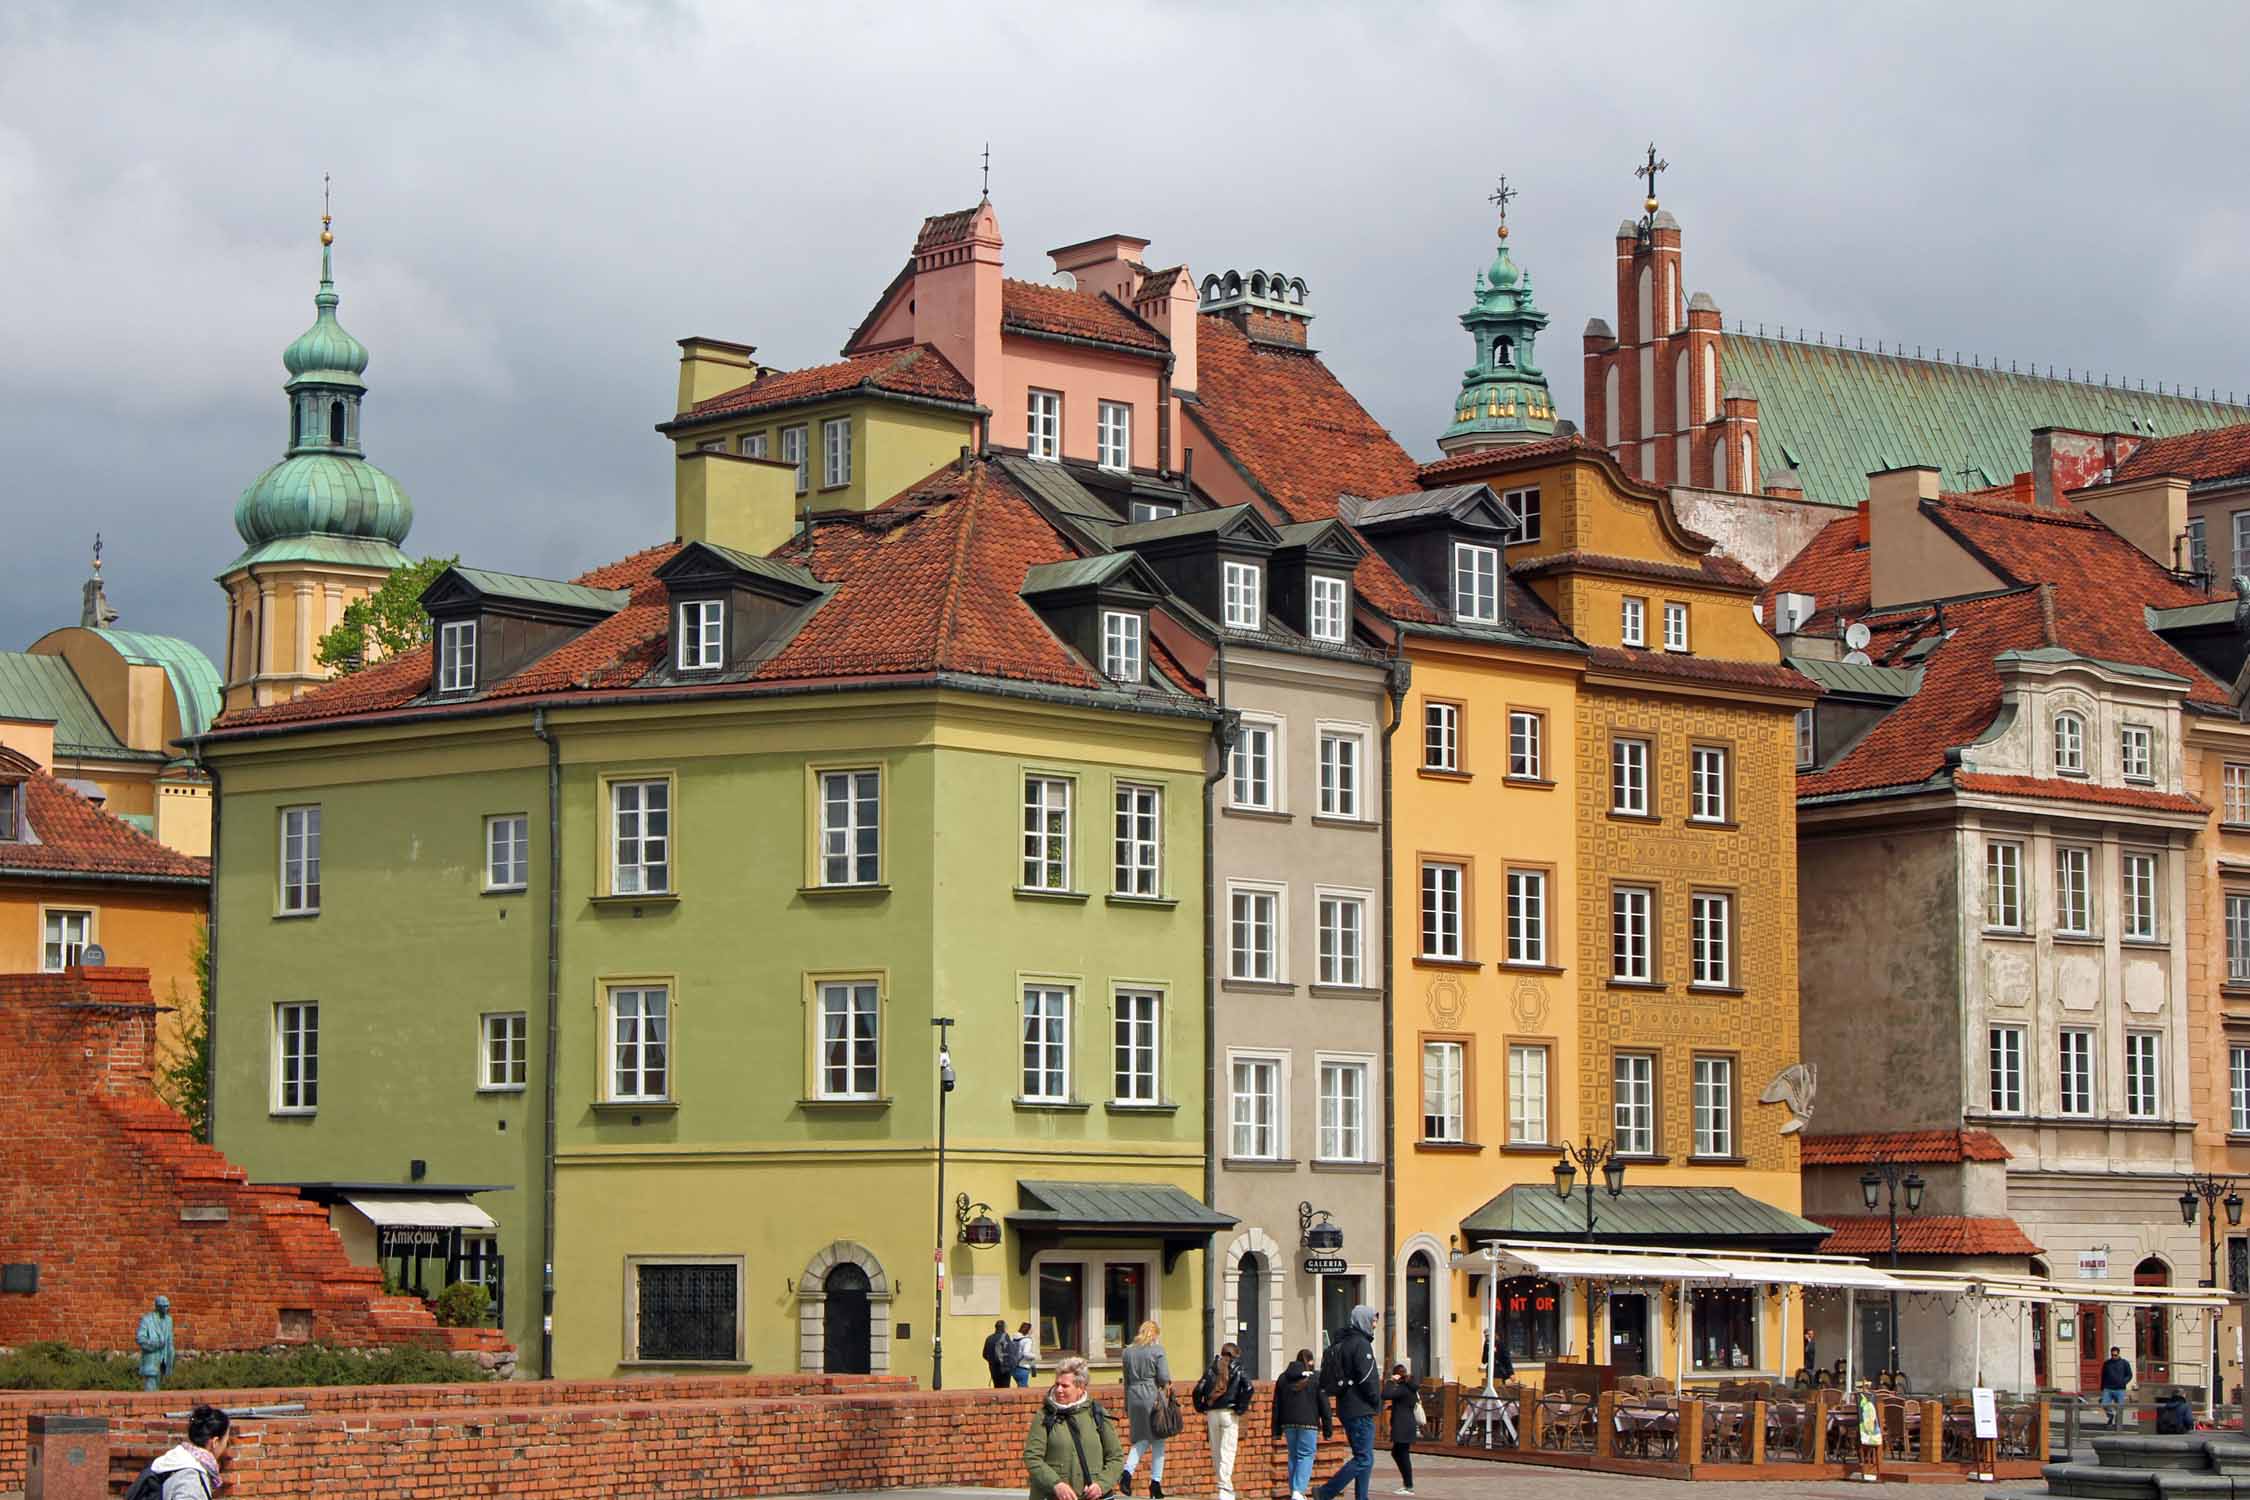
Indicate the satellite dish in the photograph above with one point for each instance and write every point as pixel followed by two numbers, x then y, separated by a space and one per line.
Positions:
pixel 1857 636
pixel 1856 659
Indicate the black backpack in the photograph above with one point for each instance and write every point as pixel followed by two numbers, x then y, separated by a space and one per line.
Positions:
pixel 150 1486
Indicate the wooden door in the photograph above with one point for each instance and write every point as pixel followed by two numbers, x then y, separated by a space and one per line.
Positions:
pixel 2093 1346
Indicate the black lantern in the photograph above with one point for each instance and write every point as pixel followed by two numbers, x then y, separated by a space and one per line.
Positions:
pixel 1870 1189
pixel 1566 1177
pixel 1316 1231
pixel 979 1229
pixel 1914 1186
pixel 1613 1177
pixel 2233 1202
pixel 2187 1207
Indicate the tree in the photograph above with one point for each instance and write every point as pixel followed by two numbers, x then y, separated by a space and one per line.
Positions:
pixel 185 1081
pixel 385 623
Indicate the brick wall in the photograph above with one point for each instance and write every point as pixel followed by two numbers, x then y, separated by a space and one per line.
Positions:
pixel 107 1193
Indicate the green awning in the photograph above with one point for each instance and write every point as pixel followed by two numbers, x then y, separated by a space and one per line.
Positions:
pixel 1687 1217
pixel 1048 1213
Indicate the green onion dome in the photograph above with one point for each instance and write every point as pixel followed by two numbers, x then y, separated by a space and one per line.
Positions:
pixel 324 493
pixel 325 352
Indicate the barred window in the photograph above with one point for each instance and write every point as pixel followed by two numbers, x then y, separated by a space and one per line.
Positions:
pixel 687 1311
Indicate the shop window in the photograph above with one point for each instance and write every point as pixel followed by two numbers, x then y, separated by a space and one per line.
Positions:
pixel 1062 1310
pixel 1531 1317
pixel 1723 1329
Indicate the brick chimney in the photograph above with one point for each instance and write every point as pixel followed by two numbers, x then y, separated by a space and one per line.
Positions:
pixel 712 367
pixel 1266 305
pixel 957 294
pixel 1110 265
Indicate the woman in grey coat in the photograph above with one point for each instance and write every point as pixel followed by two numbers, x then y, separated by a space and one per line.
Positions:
pixel 1148 1375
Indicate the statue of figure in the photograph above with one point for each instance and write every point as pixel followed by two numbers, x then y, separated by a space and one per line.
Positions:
pixel 154 1337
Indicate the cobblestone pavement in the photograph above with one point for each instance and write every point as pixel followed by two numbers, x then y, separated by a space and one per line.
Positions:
pixel 1468 1479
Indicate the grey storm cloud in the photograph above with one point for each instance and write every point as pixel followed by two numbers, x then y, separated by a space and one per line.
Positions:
pixel 533 203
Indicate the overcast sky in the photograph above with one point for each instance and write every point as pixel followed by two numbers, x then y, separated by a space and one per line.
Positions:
pixel 532 203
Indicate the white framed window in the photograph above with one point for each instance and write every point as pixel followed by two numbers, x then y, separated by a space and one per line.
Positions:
pixel 640 1042
pixel 457 656
pixel 1714 1106
pixel 702 633
pixel 1632 918
pixel 1527 751
pixel 2235 778
pixel 1254 933
pixel 835 452
pixel 2141 1050
pixel 1476 583
pixel 1441 736
pixel 296 1057
pixel 2137 881
pixel 1527 917
pixel 1343 754
pixel 1137 1031
pixel 2004 1070
pixel 1243 585
pixel 1329 608
pixel 1255 786
pixel 2070 744
pixel 1255 1095
pixel 1139 841
pixel 1707 784
pixel 1343 1110
pixel 2238 937
pixel 1632 621
pixel 2136 752
pixel 2238 1089
pixel 1527 1095
pixel 1121 646
pixel 1113 435
pixel 507 852
pixel 1675 625
pixel 796 447
pixel 2074 890
pixel 1632 1094
pixel 2199 552
pixel 480 1260
pixel 640 842
pixel 1628 777
pixel 1443 1078
pixel 850 1039
pixel 65 937
pixel 1442 887
pixel 501 1037
pixel 1151 510
pixel 1806 753
pixel 1342 940
pixel 1046 833
pixel 1046 1043
pixel 300 860
pixel 851 827
pixel 2074 1071
pixel 2241 528
pixel 1043 425
pixel 1525 504
pixel 2003 885
pixel 751 445
pixel 1711 939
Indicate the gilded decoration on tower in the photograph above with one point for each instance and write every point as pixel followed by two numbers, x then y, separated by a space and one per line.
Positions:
pixel 1504 397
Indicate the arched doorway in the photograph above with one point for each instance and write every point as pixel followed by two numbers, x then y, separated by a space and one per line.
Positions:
pixel 1420 1351
pixel 2152 1327
pixel 847 1344
pixel 1250 1314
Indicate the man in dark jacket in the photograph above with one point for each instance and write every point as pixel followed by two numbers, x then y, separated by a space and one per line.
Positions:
pixel 1300 1418
pixel 2117 1375
pixel 2174 1416
pixel 1000 1355
pixel 1350 1374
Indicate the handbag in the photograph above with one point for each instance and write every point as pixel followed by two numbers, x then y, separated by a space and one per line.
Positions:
pixel 1165 1421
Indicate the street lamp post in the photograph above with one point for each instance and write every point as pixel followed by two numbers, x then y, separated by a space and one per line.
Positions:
pixel 937 1314
pixel 1873 1182
pixel 2214 1193
pixel 1590 1157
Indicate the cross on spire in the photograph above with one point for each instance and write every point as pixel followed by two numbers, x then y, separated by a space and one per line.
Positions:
pixel 1502 195
pixel 1649 169
pixel 327 214
pixel 987 189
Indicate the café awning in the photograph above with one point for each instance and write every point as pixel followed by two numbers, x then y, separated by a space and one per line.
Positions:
pixel 421 1213
pixel 1048 1213
pixel 1719 1219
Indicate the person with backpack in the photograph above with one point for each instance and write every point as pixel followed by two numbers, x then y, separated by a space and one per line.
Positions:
pixel 1027 1355
pixel 1223 1395
pixel 1152 1412
pixel 1349 1373
pixel 1300 1419
pixel 1072 1452
pixel 1405 1401
pixel 189 1470
pixel 1000 1355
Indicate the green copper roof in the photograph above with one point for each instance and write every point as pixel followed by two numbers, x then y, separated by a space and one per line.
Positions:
pixel 1504 394
pixel 1651 1215
pixel 44 687
pixel 324 354
pixel 195 681
pixel 323 493
pixel 1837 415
pixel 344 551
pixel 542 590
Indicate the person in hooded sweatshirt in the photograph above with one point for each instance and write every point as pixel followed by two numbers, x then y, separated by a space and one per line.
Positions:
pixel 190 1470
pixel 1072 1452
pixel 1350 1374
pixel 1405 1399
pixel 1300 1419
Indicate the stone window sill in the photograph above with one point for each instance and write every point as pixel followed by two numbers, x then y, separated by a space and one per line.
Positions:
pixel 1348 1166
pixel 1632 817
pixel 1259 1163
pixel 647 898
pixel 1259 814
pixel 1450 1148
pixel 1653 986
pixel 1343 992
pixel 1536 783
pixel 1718 1161
pixel 2078 940
pixel 1464 965
pixel 846 1106
pixel 1529 1148
pixel 1716 989
pixel 1161 903
pixel 1362 825
pixel 871 891
pixel 1522 968
pixel 1257 987
pixel 1052 1106
pixel 636 1106
pixel 1140 1107
pixel 1436 773
pixel 1033 893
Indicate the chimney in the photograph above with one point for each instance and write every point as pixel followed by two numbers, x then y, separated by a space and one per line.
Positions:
pixel 2150 513
pixel 1266 305
pixel 712 367
pixel 956 296
pixel 1110 265
pixel 1165 300
pixel 2064 459
pixel 746 504
pixel 1908 558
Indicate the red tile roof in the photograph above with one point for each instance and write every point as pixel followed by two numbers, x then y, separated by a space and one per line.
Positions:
pixel 2063 789
pixel 70 836
pixel 1034 307
pixel 1723 572
pixel 1866 1147
pixel 1924 1234
pixel 1703 669
pixel 1485 458
pixel 916 370
pixel 1832 567
pixel 2214 453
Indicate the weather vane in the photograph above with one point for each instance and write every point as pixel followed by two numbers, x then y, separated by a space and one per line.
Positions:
pixel 987 171
pixel 1649 169
pixel 326 217
pixel 1502 195
pixel 97 552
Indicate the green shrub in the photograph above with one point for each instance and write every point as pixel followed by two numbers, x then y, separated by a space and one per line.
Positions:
pixel 462 1305
pixel 56 1367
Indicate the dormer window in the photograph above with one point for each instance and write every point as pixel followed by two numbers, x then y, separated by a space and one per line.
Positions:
pixel 1150 510
pixel 1476 583
pixel 702 634
pixel 1329 608
pixel 11 811
pixel 1525 504
pixel 2136 752
pixel 1242 595
pixel 1121 646
pixel 457 656
pixel 2070 745
pixel 1675 626
pixel 1632 621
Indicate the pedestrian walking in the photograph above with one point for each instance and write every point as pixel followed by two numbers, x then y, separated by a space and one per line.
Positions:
pixel 1300 1419
pixel 1405 1402
pixel 1223 1395
pixel 1027 1355
pixel 189 1470
pixel 2117 1377
pixel 1000 1355
pixel 1352 1377
pixel 1152 1412
pixel 1072 1451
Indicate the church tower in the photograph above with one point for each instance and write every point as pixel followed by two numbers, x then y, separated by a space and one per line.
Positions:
pixel 1504 397
pixel 320 528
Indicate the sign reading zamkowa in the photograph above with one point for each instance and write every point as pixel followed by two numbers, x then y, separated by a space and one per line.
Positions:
pixel 408 1241
pixel 1324 1265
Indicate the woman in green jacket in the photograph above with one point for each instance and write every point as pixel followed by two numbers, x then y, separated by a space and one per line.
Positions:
pixel 1072 1452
